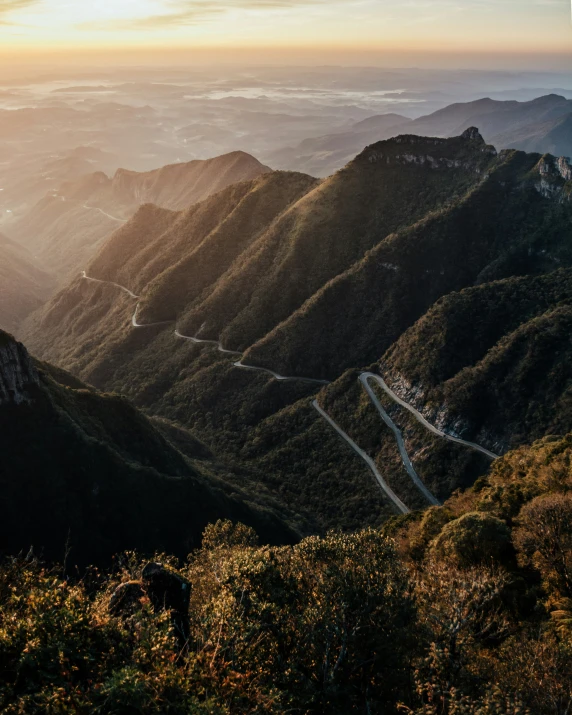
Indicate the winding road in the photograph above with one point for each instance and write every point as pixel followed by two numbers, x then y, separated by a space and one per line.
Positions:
pixel 419 417
pixel 123 288
pixel 101 211
pixel 364 378
pixel 366 458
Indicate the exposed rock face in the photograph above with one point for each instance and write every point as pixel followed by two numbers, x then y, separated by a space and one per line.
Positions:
pixel 473 134
pixel 554 172
pixel 17 372
pixel 440 416
pixel 479 146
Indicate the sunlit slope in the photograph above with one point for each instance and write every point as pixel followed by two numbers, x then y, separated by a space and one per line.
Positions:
pixel 24 286
pixel 323 234
pixel 66 228
pixel 502 226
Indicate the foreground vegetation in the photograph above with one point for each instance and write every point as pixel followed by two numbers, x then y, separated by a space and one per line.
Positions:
pixel 465 608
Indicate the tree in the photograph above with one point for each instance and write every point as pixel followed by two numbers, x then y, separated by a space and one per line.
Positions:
pixel 475 538
pixel 544 539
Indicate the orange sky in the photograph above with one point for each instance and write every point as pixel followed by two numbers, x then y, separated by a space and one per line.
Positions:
pixel 403 31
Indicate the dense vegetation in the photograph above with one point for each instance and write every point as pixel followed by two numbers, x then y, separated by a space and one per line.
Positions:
pixel 461 609
pixel 496 355
pixel 415 242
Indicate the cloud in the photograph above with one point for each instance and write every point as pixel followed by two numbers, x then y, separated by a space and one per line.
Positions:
pixel 8 6
pixel 193 12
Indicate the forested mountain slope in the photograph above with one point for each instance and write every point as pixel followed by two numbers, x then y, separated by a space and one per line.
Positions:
pixel 66 228
pixel 319 280
pixel 86 472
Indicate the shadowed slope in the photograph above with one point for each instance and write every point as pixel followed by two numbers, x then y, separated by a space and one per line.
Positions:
pixel 87 471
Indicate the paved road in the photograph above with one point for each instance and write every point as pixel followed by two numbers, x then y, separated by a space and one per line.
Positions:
pixel 96 280
pixel 366 458
pixel 364 378
pixel 419 417
pixel 282 378
pixel 219 347
pixel 101 211
pixel 135 324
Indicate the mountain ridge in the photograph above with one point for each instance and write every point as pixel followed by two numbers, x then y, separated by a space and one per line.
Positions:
pixel 66 228
pixel 353 263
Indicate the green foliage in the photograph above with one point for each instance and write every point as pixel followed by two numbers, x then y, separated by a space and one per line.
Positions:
pixel 474 538
pixel 544 538
pixel 320 627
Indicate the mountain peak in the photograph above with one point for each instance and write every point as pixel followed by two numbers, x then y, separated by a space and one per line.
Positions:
pixel 468 151
pixel 473 134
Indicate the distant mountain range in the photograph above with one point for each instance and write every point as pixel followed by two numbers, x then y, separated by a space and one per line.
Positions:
pixel 541 125
pixel 381 266
pixel 66 227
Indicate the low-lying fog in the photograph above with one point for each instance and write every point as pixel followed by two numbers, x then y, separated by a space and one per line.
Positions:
pixel 58 125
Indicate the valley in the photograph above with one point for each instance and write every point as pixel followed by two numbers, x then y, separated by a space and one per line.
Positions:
pixel 285 369
pixel 238 273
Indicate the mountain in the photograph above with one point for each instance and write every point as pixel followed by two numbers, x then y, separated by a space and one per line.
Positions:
pixel 66 227
pixel 321 156
pixel 86 472
pixel 553 136
pixel 497 354
pixel 24 286
pixel 325 280
pixel 540 125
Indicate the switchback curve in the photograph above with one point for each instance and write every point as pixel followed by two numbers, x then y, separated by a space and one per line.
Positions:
pixel 364 377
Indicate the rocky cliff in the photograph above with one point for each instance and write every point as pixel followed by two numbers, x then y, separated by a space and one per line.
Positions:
pixel 17 371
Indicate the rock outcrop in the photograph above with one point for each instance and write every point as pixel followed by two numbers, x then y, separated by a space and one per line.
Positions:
pixel 555 173
pixel 17 371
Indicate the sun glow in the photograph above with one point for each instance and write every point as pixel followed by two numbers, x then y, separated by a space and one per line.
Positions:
pixel 507 26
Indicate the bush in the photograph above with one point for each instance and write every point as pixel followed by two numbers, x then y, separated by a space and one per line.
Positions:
pixel 474 538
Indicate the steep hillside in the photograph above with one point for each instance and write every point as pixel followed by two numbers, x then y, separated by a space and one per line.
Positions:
pixel 512 222
pixel 85 472
pixel 66 228
pixel 326 232
pixel 319 280
pixel 493 359
pixel 24 286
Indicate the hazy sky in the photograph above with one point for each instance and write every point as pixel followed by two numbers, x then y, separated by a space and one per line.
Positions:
pixel 505 26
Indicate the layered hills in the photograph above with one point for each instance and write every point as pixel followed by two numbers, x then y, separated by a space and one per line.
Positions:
pixel 24 285
pixel 84 475
pixel 540 125
pixel 324 280
pixel 67 226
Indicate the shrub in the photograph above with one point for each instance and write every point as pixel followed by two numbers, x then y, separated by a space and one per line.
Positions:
pixel 474 538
